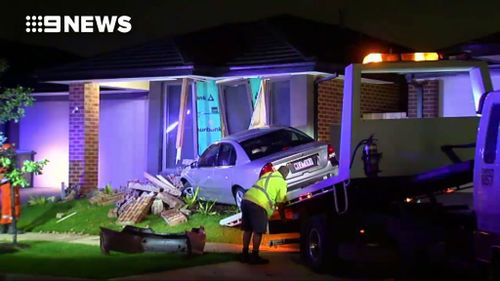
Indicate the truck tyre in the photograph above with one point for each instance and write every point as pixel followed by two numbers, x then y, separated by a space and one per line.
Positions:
pixel 316 243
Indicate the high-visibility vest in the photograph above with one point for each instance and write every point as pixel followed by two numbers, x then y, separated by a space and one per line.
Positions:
pixel 6 215
pixel 270 189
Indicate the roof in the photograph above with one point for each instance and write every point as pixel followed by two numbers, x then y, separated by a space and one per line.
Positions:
pixel 23 59
pixel 157 58
pixel 280 44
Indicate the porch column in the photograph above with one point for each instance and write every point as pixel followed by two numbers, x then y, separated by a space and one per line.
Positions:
pixel 84 135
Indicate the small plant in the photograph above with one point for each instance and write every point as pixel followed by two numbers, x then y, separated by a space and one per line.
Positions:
pixel 108 189
pixel 206 208
pixel 191 200
pixel 40 200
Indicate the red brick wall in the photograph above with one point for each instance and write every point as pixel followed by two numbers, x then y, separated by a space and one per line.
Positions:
pixel 84 135
pixel 375 98
pixel 430 99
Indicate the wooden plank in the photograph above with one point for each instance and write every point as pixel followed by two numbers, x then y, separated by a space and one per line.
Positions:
pixel 166 187
pixel 164 180
pixel 182 118
pixel 222 107
pixel 143 187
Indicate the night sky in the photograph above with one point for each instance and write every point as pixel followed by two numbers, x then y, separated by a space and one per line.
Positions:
pixel 425 25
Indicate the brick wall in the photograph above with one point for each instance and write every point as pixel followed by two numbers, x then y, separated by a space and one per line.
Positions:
pixel 84 135
pixel 430 101
pixel 375 98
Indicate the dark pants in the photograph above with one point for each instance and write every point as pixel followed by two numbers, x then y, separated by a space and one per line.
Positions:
pixel 253 217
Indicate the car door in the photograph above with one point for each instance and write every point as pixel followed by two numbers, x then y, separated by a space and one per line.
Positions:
pixel 224 171
pixel 204 171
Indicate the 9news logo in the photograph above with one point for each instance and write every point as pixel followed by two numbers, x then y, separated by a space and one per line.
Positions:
pixel 78 24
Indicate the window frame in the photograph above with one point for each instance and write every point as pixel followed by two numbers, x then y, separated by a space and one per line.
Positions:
pixel 165 92
pixel 222 100
pixel 269 103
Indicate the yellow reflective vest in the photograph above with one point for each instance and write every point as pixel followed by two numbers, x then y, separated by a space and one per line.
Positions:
pixel 270 189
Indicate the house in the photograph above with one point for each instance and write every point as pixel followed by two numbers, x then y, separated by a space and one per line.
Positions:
pixel 121 112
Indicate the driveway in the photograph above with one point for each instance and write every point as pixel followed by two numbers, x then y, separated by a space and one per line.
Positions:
pixel 282 266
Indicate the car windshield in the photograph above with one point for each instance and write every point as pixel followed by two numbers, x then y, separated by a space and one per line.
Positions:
pixel 275 141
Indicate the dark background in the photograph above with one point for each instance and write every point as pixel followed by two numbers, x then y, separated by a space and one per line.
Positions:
pixel 424 25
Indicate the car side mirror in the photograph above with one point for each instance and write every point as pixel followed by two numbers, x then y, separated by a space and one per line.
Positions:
pixel 194 164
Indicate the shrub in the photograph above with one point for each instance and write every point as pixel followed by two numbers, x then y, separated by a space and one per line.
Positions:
pixel 206 208
pixel 191 200
pixel 41 200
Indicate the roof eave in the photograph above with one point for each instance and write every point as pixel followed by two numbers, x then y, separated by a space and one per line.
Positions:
pixel 92 75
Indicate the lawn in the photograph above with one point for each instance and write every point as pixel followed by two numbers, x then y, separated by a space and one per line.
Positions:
pixel 42 218
pixel 83 261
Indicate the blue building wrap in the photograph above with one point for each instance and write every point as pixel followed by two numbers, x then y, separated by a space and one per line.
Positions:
pixel 208 114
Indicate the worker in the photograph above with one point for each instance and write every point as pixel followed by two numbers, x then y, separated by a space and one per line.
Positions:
pixel 7 150
pixel 258 204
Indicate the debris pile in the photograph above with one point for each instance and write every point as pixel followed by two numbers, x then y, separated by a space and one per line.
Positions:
pixel 158 195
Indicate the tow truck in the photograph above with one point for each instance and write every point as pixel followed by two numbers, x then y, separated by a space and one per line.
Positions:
pixel 383 200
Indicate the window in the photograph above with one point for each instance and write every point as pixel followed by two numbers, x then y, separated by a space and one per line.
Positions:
pixel 172 96
pixel 209 157
pixel 238 107
pixel 279 103
pixel 227 155
pixel 492 135
pixel 274 141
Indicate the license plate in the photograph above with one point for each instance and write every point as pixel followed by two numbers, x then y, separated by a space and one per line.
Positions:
pixel 303 164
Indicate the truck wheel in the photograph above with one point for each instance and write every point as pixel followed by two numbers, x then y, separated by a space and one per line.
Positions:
pixel 316 244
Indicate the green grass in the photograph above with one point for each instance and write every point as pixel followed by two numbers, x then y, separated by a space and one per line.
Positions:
pixel 83 261
pixel 42 218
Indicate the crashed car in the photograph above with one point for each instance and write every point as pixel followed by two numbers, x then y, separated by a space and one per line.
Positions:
pixel 226 169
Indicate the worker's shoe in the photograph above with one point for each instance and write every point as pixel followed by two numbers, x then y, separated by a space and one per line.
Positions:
pixel 244 257
pixel 256 259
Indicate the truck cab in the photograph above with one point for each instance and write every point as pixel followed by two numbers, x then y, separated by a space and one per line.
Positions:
pixel 487 181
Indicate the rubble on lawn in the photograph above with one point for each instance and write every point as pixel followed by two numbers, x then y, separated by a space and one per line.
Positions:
pixel 159 195
pixel 103 199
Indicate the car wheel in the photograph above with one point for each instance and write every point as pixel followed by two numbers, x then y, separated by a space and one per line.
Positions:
pixel 187 189
pixel 238 194
pixel 316 244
